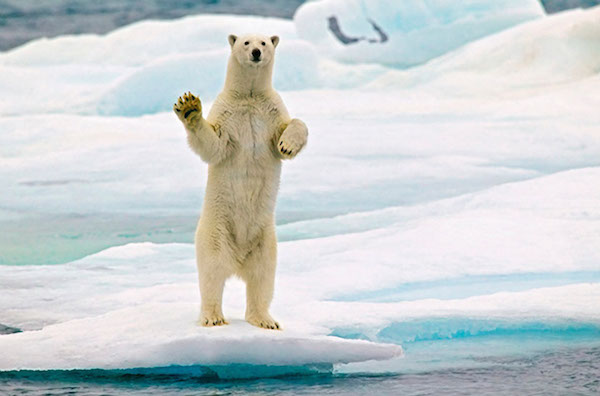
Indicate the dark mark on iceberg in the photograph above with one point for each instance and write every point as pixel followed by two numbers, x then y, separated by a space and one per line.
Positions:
pixel 44 183
pixel 8 330
pixel 383 37
pixel 334 27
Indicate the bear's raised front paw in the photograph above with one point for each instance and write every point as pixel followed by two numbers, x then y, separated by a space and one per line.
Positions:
pixel 264 321
pixel 212 320
pixel 188 107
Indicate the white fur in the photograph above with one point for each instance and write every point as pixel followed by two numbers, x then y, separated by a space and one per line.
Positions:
pixel 244 138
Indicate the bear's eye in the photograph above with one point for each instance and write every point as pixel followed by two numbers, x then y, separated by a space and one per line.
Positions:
pixel 247 42
pixel 263 43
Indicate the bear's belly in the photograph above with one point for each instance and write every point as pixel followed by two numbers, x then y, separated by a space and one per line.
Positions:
pixel 253 187
pixel 242 199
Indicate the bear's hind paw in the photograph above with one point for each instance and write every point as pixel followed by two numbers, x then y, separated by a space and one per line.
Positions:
pixel 212 320
pixel 265 322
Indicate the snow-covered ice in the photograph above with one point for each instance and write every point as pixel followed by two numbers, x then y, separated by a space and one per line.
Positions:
pixel 551 51
pixel 441 208
pixel 405 33
pixel 161 335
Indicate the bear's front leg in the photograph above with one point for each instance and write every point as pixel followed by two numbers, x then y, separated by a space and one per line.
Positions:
pixel 293 139
pixel 202 137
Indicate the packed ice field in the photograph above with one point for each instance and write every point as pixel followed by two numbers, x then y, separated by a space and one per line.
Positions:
pixel 445 212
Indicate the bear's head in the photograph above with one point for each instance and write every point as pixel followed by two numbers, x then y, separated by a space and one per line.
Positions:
pixel 253 50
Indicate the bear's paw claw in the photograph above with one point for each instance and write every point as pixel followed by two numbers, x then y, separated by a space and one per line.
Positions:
pixel 288 150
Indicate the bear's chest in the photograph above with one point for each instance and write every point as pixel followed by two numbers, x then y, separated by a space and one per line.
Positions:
pixel 251 130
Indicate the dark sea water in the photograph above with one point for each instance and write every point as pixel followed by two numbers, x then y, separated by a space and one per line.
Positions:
pixel 25 20
pixel 562 372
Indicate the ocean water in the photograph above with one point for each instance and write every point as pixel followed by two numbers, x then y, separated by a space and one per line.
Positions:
pixel 567 371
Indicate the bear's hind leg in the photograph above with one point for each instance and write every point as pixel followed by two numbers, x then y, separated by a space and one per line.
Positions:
pixel 212 276
pixel 258 271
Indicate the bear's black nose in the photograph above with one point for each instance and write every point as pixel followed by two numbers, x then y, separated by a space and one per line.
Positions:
pixel 256 54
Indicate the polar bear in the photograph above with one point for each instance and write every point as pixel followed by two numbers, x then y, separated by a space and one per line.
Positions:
pixel 244 138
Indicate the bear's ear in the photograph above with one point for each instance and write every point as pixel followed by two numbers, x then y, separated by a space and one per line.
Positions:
pixel 232 39
pixel 275 40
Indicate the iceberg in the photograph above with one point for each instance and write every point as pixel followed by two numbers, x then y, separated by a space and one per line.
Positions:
pixel 551 51
pixel 165 335
pixel 404 33
pixel 117 74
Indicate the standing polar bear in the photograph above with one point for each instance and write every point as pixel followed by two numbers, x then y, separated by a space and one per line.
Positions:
pixel 244 138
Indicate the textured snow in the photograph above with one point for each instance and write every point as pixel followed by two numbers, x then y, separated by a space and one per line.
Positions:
pixel 555 50
pixel 417 30
pixel 433 208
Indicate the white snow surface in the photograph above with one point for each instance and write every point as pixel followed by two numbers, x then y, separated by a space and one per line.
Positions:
pixel 455 199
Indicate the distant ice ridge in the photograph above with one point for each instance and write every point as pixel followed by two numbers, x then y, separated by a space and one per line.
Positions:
pixel 404 33
pixel 130 46
pixel 121 74
pixel 117 74
pixel 555 50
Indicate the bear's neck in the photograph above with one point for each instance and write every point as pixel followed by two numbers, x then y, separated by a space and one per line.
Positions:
pixel 248 81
